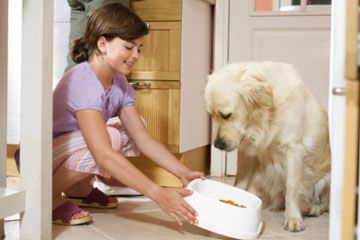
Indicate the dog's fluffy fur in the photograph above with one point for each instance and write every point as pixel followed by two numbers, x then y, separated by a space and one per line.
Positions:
pixel 281 132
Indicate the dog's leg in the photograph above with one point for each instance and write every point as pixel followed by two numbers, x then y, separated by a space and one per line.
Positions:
pixel 317 209
pixel 320 199
pixel 246 168
pixel 294 160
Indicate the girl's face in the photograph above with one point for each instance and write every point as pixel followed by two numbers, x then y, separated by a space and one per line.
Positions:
pixel 122 55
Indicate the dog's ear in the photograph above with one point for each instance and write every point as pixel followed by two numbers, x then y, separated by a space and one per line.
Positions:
pixel 255 90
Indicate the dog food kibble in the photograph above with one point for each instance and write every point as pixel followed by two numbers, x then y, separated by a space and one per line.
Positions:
pixel 231 202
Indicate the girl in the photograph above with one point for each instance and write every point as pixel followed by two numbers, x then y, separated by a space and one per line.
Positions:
pixel 79 11
pixel 84 145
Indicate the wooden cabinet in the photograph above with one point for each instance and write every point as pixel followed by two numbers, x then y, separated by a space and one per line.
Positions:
pixel 159 106
pixel 170 77
pixel 160 56
pixel 350 203
pixel 157 10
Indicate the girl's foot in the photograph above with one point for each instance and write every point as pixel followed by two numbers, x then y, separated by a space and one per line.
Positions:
pixel 94 199
pixel 70 214
pixel 60 201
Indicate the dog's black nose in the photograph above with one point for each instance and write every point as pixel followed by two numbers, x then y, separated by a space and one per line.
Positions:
pixel 220 144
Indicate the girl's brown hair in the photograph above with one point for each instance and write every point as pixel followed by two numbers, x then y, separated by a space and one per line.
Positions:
pixel 110 21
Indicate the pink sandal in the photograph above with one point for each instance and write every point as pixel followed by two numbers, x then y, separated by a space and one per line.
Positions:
pixel 95 199
pixel 62 215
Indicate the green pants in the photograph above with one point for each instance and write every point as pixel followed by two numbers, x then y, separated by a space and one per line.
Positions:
pixel 80 9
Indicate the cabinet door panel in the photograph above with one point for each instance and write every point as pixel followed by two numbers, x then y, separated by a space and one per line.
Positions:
pixel 160 56
pixel 159 106
pixel 157 10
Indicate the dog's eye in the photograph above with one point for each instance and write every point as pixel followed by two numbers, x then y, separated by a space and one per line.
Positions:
pixel 225 116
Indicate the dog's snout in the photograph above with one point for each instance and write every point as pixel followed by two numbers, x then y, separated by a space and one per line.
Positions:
pixel 220 143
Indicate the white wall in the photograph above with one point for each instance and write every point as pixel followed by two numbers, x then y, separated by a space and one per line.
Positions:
pixel 14 66
pixel 61 35
pixel 61 32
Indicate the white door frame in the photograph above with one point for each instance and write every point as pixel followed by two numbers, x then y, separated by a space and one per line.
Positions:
pixel 221 57
pixel 36 121
pixel 336 123
pixel 3 98
pixel 36 118
pixel 337 116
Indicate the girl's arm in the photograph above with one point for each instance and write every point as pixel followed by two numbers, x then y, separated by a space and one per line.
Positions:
pixel 95 134
pixel 152 148
pixel 97 140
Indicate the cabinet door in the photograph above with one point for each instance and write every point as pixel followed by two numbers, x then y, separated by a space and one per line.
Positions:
pixel 350 190
pixel 160 56
pixel 158 102
pixel 157 10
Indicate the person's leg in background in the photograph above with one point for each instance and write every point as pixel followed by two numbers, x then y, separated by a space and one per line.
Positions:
pixel 80 10
pixel 77 22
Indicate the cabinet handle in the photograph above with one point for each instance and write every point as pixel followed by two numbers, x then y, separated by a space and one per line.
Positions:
pixel 141 84
pixel 338 91
pixel 148 25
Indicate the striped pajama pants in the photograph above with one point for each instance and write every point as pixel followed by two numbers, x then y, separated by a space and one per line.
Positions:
pixel 71 150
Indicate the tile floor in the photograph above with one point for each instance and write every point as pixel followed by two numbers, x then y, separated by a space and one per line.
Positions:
pixel 139 218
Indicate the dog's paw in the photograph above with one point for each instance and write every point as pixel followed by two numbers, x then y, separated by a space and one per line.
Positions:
pixel 314 211
pixel 293 224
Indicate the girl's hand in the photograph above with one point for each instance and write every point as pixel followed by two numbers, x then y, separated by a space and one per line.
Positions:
pixel 191 175
pixel 171 202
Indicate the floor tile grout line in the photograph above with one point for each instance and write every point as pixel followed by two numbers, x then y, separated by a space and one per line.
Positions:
pixel 101 233
pixel 127 212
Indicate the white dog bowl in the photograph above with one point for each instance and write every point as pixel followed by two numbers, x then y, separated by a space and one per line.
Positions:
pixel 222 218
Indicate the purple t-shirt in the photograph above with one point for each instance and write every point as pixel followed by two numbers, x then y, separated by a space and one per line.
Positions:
pixel 80 89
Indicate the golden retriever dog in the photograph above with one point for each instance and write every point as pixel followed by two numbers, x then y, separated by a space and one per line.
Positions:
pixel 281 132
